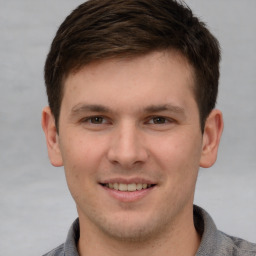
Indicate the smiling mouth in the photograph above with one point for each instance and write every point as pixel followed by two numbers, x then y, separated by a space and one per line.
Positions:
pixel 127 187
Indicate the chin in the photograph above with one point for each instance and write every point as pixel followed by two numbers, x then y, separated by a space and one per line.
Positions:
pixel 130 234
pixel 138 230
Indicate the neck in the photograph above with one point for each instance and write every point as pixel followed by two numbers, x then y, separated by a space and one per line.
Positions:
pixel 179 240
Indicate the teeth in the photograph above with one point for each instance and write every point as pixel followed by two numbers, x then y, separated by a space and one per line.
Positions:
pixel 122 187
pixel 131 187
pixel 115 186
pixel 139 186
pixel 127 187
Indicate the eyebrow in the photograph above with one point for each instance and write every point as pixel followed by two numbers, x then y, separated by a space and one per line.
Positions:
pixel 97 108
pixel 165 107
pixel 81 108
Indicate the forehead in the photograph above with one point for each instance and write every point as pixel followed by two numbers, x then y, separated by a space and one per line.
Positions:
pixel 152 75
pixel 156 57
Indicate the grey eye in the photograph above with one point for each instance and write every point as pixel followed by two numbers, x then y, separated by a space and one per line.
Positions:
pixel 97 120
pixel 159 120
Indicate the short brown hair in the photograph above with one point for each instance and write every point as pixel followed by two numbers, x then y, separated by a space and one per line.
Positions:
pixel 102 29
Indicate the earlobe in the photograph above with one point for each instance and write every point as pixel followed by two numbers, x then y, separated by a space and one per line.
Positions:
pixel 211 138
pixel 51 136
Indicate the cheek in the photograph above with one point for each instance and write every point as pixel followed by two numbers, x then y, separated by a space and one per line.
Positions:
pixel 81 151
pixel 179 159
pixel 81 159
pixel 80 172
pixel 179 154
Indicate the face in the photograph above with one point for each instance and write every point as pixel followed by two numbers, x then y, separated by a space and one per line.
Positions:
pixel 131 144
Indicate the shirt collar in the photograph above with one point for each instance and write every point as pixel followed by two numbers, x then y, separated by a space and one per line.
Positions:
pixel 203 224
pixel 210 236
pixel 70 245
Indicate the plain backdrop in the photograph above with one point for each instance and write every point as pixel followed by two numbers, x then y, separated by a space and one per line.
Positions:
pixel 36 209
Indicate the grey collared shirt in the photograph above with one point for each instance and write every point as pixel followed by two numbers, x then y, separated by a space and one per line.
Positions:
pixel 213 243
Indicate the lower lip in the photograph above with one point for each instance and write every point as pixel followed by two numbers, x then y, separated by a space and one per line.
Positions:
pixel 128 196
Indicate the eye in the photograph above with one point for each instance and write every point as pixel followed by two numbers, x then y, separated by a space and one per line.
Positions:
pixel 160 120
pixel 95 120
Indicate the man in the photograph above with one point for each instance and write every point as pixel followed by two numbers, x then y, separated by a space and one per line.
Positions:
pixel 132 87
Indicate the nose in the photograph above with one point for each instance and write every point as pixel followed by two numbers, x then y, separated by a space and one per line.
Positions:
pixel 127 147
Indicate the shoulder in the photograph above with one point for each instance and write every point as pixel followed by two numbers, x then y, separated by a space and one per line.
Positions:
pixel 69 247
pixel 215 242
pixel 58 251
pixel 237 246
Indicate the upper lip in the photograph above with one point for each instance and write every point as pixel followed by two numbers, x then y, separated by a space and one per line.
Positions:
pixel 136 180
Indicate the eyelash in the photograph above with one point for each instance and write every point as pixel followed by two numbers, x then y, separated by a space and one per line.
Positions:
pixel 151 120
pixel 162 118
pixel 90 118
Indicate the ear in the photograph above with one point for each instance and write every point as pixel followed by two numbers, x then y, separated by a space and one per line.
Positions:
pixel 211 138
pixel 51 136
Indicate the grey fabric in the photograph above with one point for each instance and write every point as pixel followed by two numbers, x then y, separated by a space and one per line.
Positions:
pixel 69 247
pixel 213 243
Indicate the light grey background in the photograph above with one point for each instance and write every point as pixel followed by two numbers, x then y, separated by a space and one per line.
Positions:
pixel 36 209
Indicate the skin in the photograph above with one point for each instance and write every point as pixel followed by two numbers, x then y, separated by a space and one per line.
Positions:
pixel 133 121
